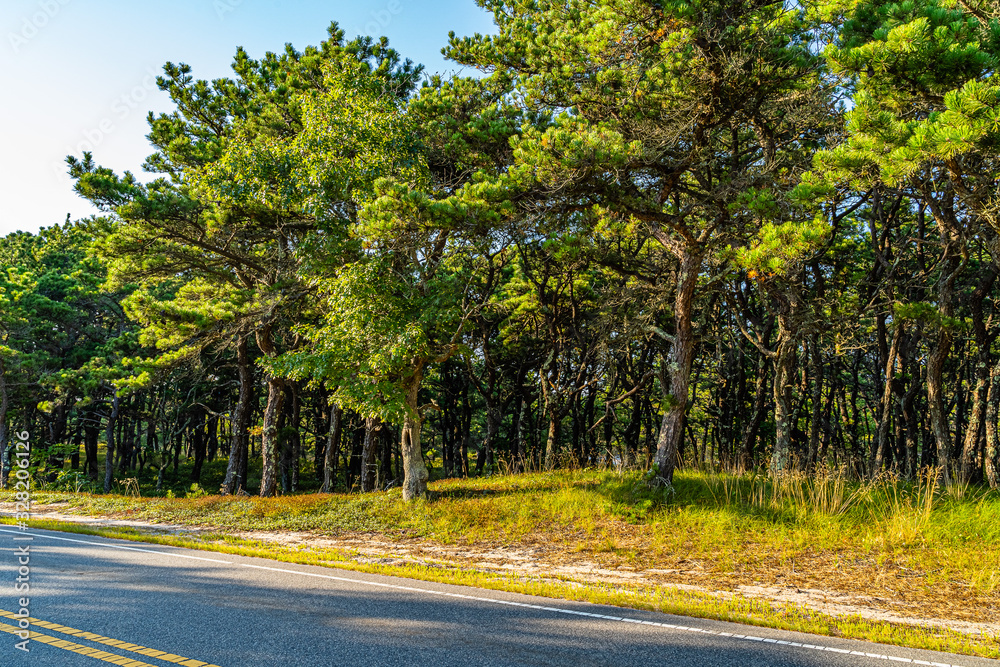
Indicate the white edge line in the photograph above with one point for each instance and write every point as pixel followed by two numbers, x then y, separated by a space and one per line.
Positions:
pixel 474 598
pixel 117 546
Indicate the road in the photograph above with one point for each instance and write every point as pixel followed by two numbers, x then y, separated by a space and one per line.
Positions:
pixel 97 601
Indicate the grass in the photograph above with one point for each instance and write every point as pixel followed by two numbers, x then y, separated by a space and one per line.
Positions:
pixel 912 548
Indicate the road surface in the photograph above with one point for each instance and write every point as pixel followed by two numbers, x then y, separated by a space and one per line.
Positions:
pixel 96 601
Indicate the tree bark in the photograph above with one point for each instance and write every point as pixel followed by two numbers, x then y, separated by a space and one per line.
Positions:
pixel 199 445
pixel 935 401
pixel 77 439
pixel 817 404
pixel 235 480
pixel 551 410
pixel 109 458
pixel 415 473
pixel 332 447
pixel 882 438
pixel 296 436
pixel 935 367
pixel 984 340
pixel 784 371
pixel 552 438
pixel 520 455
pixel 485 457
pixel 212 437
pixel 284 439
pixel 369 467
pixel 269 437
pixel 970 444
pixel 750 435
pixel 991 459
pixel 678 371
pixel 91 435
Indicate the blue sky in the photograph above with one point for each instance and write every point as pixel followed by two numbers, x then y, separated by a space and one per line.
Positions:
pixel 79 74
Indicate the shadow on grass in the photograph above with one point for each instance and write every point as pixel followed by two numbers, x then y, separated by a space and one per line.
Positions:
pixel 631 498
pixel 468 494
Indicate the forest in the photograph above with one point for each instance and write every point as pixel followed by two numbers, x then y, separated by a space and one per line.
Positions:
pixel 644 234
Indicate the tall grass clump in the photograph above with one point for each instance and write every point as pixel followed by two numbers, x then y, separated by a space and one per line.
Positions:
pixel 827 492
pixel 949 533
pixel 886 500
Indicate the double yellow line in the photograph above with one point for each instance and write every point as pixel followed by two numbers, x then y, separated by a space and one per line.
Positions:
pixel 96 653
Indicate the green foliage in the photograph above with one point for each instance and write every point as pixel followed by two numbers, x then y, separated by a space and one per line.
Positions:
pixel 374 335
pixel 196 492
pixel 351 135
pixel 60 331
pixel 213 250
pixel 926 98
pixel 779 249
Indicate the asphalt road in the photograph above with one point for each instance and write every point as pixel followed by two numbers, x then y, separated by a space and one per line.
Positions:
pixel 98 602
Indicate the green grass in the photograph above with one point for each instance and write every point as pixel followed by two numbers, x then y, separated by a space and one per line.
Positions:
pixel 925 551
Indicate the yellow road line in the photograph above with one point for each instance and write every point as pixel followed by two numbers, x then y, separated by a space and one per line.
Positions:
pixel 78 648
pixel 100 639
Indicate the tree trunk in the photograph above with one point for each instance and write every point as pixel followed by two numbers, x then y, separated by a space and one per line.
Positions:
pixel 126 453
pixel 984 340
pixel 284 439
pixel 517 431
pixel 465 421
pixel 235 480
pixel 213 437
pixel 415 473
pixel 151 444
pixel 882 438
pixel 91 435
pixel 935 367
pixel 74 457
pixel 935 401
pixel 817 404
pixel 109 459
pixel 321 417
pixel 199 445
pixel 590 438
pixel 387 443
pixel 970 444
pixel 552 438
pixel 678 370
pixel 296 435
pixel 269 437
pixel 332 447
pixel 910 417
pixel 760 405
pixel 551 411
pixel 784 370
pixel 369 466
pixel 485 457
pixel 991 460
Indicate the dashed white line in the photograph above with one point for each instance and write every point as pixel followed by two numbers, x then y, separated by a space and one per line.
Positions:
pixel 475 598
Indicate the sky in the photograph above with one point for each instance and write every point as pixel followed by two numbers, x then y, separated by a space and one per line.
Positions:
pixel 79 75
